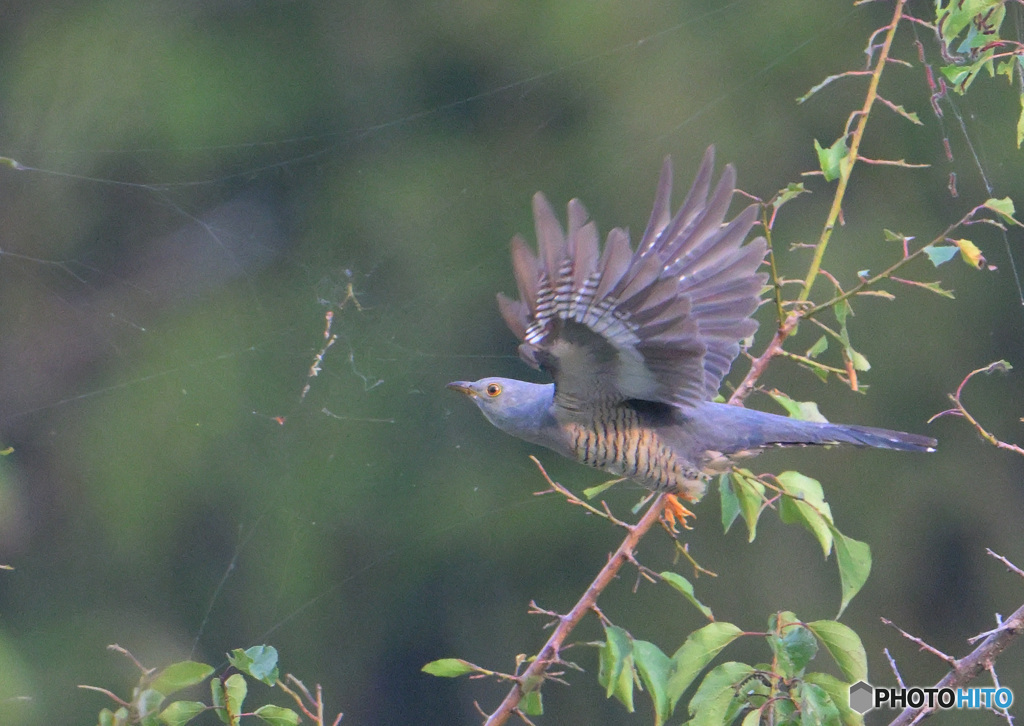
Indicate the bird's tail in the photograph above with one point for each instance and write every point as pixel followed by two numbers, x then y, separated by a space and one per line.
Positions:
pixel 867 436
pixel 730 429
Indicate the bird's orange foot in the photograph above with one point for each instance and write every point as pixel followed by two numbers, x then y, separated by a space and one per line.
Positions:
pixel 675 511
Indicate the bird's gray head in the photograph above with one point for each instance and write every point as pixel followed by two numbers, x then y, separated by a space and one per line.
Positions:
pixel 516 407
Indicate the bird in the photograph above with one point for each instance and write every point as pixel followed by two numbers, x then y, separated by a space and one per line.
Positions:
pixel 637 342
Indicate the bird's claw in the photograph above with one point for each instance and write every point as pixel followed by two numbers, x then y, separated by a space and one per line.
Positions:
pixel 675 512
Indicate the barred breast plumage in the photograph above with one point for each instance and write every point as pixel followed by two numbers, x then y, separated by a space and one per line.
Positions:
pixel 614 438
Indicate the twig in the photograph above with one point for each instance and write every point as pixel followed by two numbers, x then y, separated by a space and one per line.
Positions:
pixel 317 702
pixel 758 366
pixel 573 499
pixel 124 651
pixel 921 644
pixel 1009 565
pixel 895 669
pixel 536 672
pixel 959 409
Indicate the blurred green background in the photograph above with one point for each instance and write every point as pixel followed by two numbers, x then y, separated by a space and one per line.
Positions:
pixel 205 180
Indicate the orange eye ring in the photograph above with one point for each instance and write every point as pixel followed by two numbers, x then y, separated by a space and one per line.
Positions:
pixel 493 390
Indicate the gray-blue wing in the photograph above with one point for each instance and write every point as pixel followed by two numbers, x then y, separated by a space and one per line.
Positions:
pixel 661 323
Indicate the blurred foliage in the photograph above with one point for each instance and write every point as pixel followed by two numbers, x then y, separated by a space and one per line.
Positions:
pixel 201 181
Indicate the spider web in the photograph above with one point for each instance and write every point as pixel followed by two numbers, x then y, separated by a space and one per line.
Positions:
pixel 224 341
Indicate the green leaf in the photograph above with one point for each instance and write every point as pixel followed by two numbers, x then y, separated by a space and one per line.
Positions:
pixel 750 496
pixel 730 503
pixel 597 489
pixel 1003 207
pixel 696 652
pixel 753 718
pixel 940 255
pixel 959 77
pixel 111 718
pixel 148 702
pixel 181 675
pixel 1020 122
pixel 235 690
pixel 532 703
pixel 821 85
pixel 845 647
pixel 832 158
pixel 259 661
pixel 970 253
pixel 793 648
pixel 717 695
pixel 217 694
pixel 277 715
pixel 860 363
pixel 954 16
pixel 839 692
pixel 933 287
pixel 228 696
pixel 654 668
pixel 841 310
pixel 179 713
pixel 854 559
pixel 615 670
pixel 999 366
pixel 817 369
pixel 816 707
pixel 819 347
pixel 803 410
pixel 908 115
pixel 791 192
pixel 684 586
pixel 806 506
pixel 449 667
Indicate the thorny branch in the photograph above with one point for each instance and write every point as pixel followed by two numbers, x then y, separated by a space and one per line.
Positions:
pixel 966 669
pixel 535 674
pixel 847 164
pixel 789 324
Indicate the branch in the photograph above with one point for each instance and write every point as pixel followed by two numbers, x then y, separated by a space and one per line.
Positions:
pixel 534 675
pixel 887 272
pixel 959 409
pixel 761 362
pixel 846 165
pixel 970 667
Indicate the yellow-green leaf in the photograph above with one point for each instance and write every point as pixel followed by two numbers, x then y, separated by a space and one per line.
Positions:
pixel 831 159
pixel 970 252
pixel 449 667
pixel 1003 207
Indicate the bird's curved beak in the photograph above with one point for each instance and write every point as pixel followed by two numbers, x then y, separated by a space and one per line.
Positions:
pixel 463 387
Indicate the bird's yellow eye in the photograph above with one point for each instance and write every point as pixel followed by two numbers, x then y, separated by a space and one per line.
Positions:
pixel 493 389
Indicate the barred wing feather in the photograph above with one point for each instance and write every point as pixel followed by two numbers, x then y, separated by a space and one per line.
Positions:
pixel 662 323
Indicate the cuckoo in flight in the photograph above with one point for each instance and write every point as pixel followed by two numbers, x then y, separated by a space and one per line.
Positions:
pixel 638 342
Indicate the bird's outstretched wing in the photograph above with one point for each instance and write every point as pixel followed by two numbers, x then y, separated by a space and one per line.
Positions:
pixel 662 323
